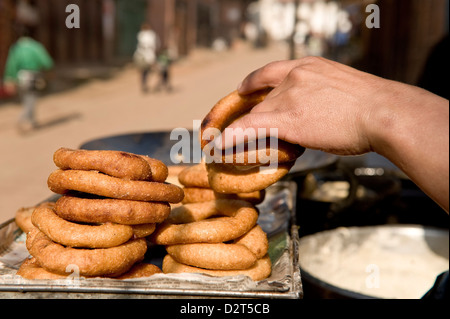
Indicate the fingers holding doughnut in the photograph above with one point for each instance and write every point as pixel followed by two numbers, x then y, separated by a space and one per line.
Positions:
pixel 91 182
pixel 224 112
pixel 227 109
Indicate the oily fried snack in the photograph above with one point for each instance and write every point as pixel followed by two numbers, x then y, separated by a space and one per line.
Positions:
pixel 259 271
pixel 228 109
pixel 160 171
pixel 143 230
pixel 23 216
pixel 242 253
pixel 229 179
pixel 92 182
pixel 194 176
pixel 30 269
pixel 114 163
pixel 76 235
pixel 193 223
pixel 197 195
pixel 104 210
pixel 110 262
pixel 140 270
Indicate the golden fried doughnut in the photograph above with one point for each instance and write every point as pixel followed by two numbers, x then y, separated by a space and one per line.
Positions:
pixel 140 270
pixel 104 210
pixel 30 269
pixel 242 253
pixel 197 223
pixel 23 216
pixel 259 271
pixel 77 235
pixel 159 170
pixel 230 179
pixel 143 230
pixel 114 163
pixel 194 176
pixel 197 195
pixel 92 182
pixel 223 113
pixel 109 262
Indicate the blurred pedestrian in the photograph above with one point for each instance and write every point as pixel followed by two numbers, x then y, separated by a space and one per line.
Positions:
pixel 164 62
pixel 145 55
pixel 24 73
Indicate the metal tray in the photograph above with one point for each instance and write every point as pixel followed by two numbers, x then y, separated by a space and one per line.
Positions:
pixel 277 218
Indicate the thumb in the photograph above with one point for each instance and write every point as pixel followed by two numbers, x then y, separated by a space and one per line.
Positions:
pixel 249 127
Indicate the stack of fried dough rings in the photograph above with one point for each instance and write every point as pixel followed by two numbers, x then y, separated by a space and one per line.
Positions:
pixel 247 168
pixel 111 203
pixel 218 237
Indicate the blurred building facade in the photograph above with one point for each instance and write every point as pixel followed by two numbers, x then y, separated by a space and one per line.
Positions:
pixel 108 28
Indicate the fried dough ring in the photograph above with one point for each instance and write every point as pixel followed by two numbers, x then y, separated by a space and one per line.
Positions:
pixel 198 195
pixel 110 262
pixel 76 235
pixel 143 230
pixel 30 269
pixel 192 223
pixel 104 210
pixel 140 270
pixel 23 216
pixel 194 176
pixel 113 163
pixel 229 179
pixel 228 109
pixel 242 253
pixel 259 271
pixel 92 182
pixel 160 171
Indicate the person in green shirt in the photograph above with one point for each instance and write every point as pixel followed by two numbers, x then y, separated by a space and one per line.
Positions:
pixel 27 59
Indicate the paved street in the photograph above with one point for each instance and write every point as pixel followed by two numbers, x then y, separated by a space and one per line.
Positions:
pixel 115 106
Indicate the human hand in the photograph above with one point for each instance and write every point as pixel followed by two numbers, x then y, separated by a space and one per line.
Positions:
pixel 325 105
pixel 316 103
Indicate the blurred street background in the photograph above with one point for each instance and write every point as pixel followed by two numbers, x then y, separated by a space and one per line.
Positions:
pixel 94 89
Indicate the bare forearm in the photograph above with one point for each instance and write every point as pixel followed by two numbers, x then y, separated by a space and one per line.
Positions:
pixel 410 128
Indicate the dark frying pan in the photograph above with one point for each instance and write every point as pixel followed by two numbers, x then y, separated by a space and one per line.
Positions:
pixel 159 145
